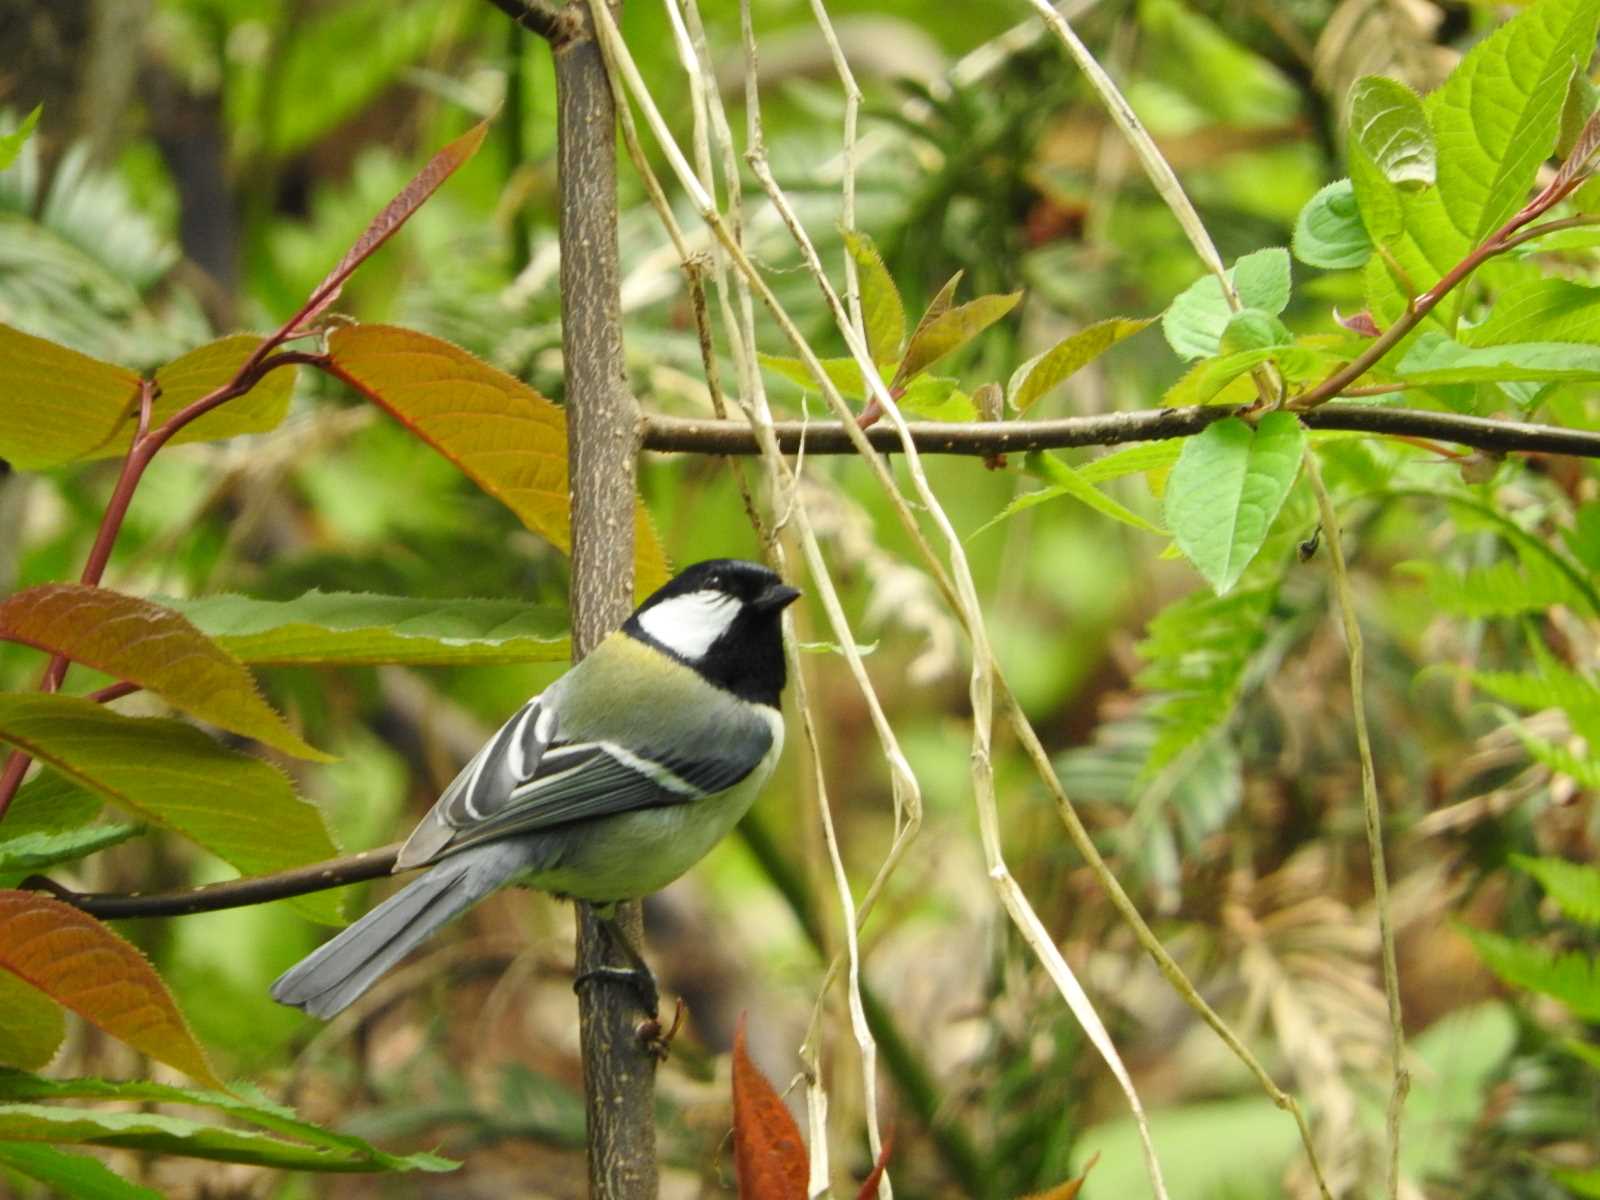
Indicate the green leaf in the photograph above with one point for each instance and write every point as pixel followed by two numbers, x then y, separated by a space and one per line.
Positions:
pixel 1194 322
pixel 1543 310
pixel 505 437
pixel 844 373
pixel 1501 589
pixel 36 851
pixel 1435 359
pixel 141 642
pixel 1228 485
pixel 32 1025
pixel 76 1176
pixel 1388 123
pixel 1063 480
pixel 1499 113
pixel 1130 460
pixel 202 371
pixel 60 405
pixel 243 1103
pixel 158 1133
pixel 11 143
pixel 1329 233
pixel 882 311
pixel 171 774
pixel 950 330
pixel 350 629
pixel 81 964
pixel 1575 887
pixel 1036 377
pixel 1555 686
pixel 937 398
pixel 1253 329
pixel 1572 978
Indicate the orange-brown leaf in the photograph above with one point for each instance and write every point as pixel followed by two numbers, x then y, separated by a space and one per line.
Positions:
pixel 84 966
pixel 505 436
pixel 151 646
pixel 440 167
pixel 869 1185
pixel 769 1159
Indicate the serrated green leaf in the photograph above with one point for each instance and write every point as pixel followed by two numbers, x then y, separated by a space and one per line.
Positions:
pixel 1226 489
pixel 11 143
pixel 351 628
pixel 171 774
pixel 73 1176
pixel 1544 310
pixel 1572 978
pixel 1195 320
pixel 882 311
pixel 949 331
pixel 1500 111
pixel 1253 329
pixel 1036 377
pixel 1328 232
pixel 1584 771
pixel 1436 359
pixel 1501 589
pixel 1575 887
pixel 38 850
pixel 244 1103
pixel 1387 121
pixel 60 405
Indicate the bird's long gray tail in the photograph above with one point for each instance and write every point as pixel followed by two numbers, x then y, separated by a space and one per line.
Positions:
pixel 336 974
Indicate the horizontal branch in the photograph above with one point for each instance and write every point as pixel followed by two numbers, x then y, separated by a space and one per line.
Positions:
pixel 985 438
pixel 234 893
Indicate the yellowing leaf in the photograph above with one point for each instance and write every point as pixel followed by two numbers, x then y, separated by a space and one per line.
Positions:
pixel 153 647
pixel 950 330
pixel 202 371
pixel 56 404
pixel 239 808
pixel 505 436
pixel 31 1024
pixel 1038 375
pixel 882 311
pixel 82 965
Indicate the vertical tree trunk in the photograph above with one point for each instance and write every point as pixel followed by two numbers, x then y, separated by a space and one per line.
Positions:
pixel 602 449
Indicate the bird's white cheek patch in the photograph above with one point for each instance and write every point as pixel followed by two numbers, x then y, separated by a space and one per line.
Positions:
pixel 688 624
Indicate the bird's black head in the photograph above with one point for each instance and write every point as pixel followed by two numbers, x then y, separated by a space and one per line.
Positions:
pixel 723 618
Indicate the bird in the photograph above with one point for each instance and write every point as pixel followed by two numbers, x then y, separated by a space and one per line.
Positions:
pixel 606 786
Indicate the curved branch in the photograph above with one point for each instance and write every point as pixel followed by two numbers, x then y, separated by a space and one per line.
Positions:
pixel 235 893
pixel 984 438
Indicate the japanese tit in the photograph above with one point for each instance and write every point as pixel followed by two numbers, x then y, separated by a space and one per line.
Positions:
pixel 606 786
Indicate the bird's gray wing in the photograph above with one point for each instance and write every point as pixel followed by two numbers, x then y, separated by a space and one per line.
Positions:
pixel 526 779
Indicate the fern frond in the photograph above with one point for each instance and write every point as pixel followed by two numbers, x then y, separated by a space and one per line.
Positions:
pixel 1573 978
pixel 1575 887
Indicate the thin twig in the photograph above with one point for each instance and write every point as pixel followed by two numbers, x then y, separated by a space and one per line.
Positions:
pixel 1373 812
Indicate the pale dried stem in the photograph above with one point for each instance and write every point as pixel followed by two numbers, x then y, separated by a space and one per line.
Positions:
pixel 1373 812
pixel 964 593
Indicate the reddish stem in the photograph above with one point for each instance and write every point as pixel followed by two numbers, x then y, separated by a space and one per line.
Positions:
pixel 141 450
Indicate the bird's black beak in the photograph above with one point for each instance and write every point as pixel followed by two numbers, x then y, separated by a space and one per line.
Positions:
pixel 777 597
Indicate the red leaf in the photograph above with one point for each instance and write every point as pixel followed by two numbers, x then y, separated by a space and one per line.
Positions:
pixel 869 1185
pixel 769 1159
pixel 440 167
pixel 82 965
